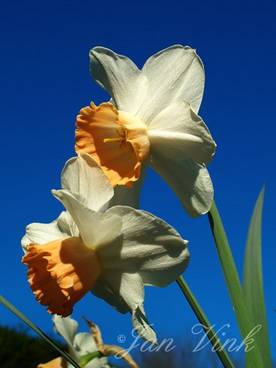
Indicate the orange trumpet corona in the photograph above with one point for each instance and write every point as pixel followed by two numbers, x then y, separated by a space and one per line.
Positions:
pixel 115 139
pixel 61 272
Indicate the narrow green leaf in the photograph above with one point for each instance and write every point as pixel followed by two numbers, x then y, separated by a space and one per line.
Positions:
pixel 29 323
pixel 202 318
pixel 253 357
pixel 253 281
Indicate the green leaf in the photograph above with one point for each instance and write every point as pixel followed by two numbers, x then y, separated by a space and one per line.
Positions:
pixel 253 357
pixel 29 323
pixel 253 281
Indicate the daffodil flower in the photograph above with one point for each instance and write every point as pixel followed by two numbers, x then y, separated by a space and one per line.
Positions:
pixel 151 119
pixel 112 252
pixel 79 345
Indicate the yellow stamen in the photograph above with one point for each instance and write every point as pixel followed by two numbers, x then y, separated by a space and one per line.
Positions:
pixel 110 140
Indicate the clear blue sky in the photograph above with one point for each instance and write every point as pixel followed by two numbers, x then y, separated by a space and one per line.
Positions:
pixel 45 81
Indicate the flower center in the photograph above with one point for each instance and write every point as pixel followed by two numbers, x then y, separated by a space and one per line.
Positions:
pixel 117 140
pixel 122 136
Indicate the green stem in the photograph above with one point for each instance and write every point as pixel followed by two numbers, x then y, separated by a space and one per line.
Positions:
pixel 214 340
pixel 88 357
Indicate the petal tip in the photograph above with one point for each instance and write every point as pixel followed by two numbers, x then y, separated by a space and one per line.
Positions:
pixel 56 193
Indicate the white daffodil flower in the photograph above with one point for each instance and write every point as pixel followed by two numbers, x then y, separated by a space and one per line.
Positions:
pixel 151 119
pixel 113 252
pixel 79 345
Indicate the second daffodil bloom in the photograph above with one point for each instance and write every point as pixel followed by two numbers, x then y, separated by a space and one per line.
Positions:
pixel 151 119
pixel 79 345
pixel 113 252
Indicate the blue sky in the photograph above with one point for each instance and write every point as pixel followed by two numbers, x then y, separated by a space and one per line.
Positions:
pixel 45 81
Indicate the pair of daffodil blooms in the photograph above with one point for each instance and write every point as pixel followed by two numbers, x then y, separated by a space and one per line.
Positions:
pixel 101 243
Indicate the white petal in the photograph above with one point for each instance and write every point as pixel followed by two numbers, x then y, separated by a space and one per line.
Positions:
pixel 83 176
pixel 177 133
pixel 96 229
pixel 104 291
pixel 127 196
pixel 175 73
pixel 142 326
pixel 66 223
pixel 148 246
pixel 40 233
pixel 120 77
pixel 84 343
pixel 66 327
pixel 190 181
pixel 128 289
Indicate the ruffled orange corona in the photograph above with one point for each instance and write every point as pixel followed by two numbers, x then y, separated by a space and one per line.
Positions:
pixel 115 139
pixel 61 273
pixel 55 363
